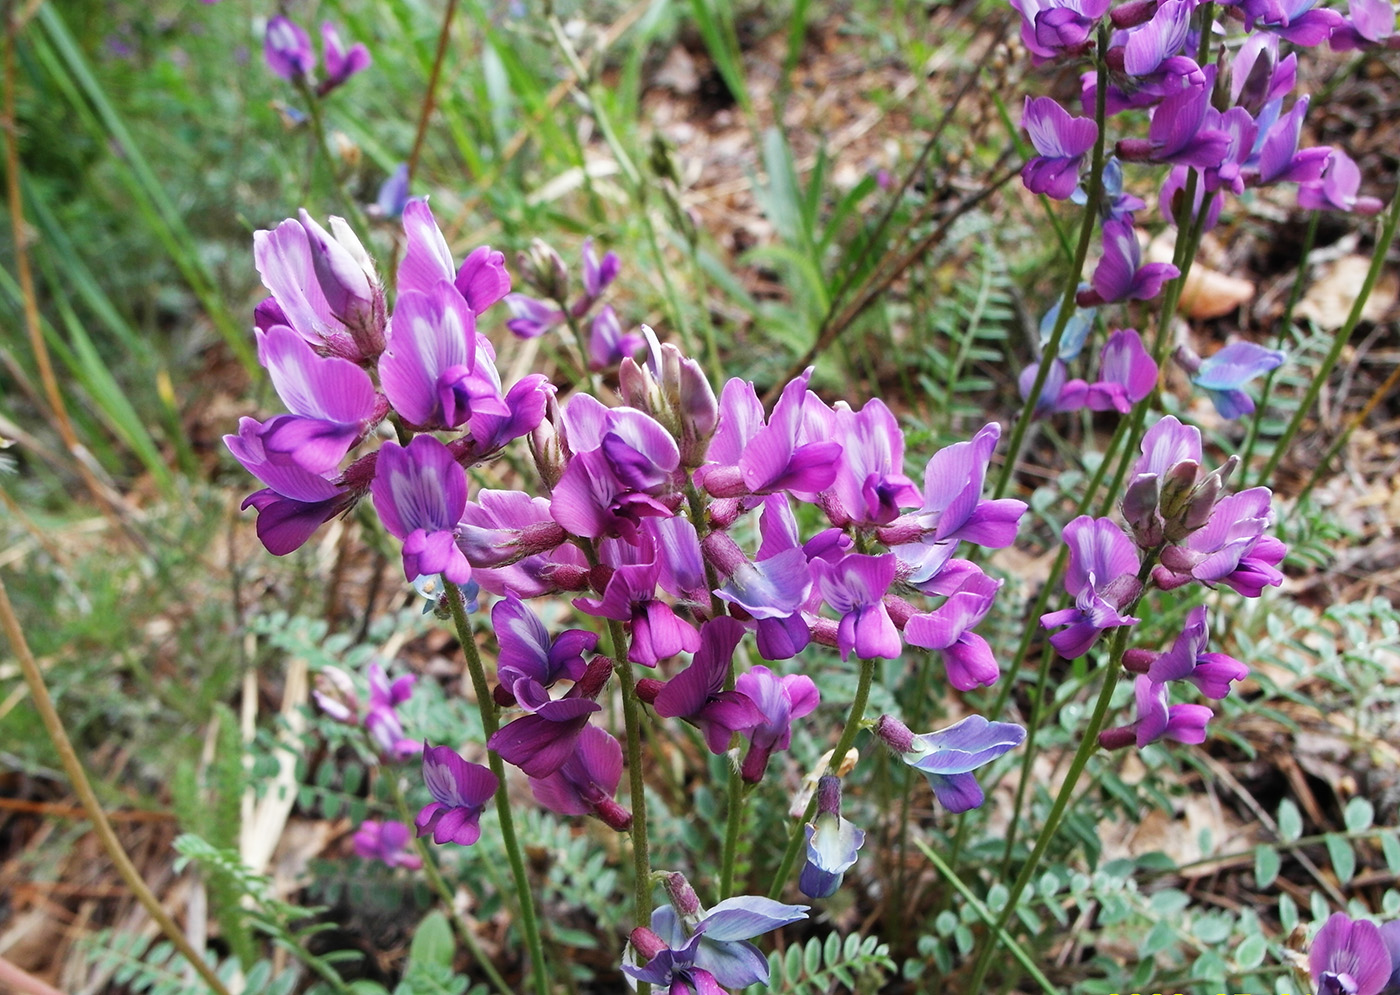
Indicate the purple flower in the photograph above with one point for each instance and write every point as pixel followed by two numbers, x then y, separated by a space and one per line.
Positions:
pixel 607 344
pixel 482 279
pixel 1120 274
pixel 1339 187
pixel 832 843
pixel 870 485
pixel 1280 160
pixel 331 400
pixel 460 791
pixel 780 700
pixel 779 457
pixel 1158 39
pixel 773 588
pixel 431 370
pixel 348 283
pixel 1223 374
pixel 527 653
pixel 1127 373
pixel 387 843
pixel 597 273
pixel 954 510
pixel 1372 22
pixel 287 48
pixel 697 693
pixel 948 757
pixel 382 719
pixel 714 955
pixel 1116 204
pixel 586 782
pixel 1051 28
pixel 1231 549
pixel 541 742
pixel 1157 720
pixel 623 469
pixel 1179 131
pixel 1258 78
pixel 514 546
pixel 531 318
pixel 284 260
pixel 1353 957
pixel 393 195
pixel 966 656
pixel 630 596
pixel 1102 577
pixel 1061 141
pixel 341 63
pixel 1302 23
pixel 1212 673
pixel 420 493
pixel 295 503
pixel 855 586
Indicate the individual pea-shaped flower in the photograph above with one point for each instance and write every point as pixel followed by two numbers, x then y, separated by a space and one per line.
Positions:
pixel 780 700
pixel 1223 375
pixel 715 956
pixel 420 493
pixel 1156 719
pixel 387 843
pixel 697 693
pixel 586 782
pixel 1121 274
pixel 1212 673
pixel 1062 142
pixel 287 48
pixel 1353 957
pixel 341 63
pixel 855 586
pixel 948 757
pixel 1102 577
pixel 1372 23
pixel 832 843
pixel 460 791
pixel 382 718
pixel 1339 187
pixel 967 657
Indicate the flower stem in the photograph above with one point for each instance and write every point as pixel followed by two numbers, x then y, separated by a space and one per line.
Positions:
pixel 439 885
pixel 734 818
pixel 489 723
pixel 636 781
pixel 1081 252
pixel 1378 257
pixel 843 746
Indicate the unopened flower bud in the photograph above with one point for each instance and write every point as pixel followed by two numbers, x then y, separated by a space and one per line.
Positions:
pixel 1136 661
pixel 545 272
pixel 1178 484
pixel 548 446
pixel 829 795
pixel 698 410
pixel 1140 502
pixel 1118 737
pixel 1203 500
pixel 345 274
pixel 1132 13
pixel 682 895
pixel 895 734
pixel 335 694
pixel 646 943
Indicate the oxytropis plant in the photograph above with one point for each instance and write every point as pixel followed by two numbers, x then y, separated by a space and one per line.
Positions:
pixel 670 521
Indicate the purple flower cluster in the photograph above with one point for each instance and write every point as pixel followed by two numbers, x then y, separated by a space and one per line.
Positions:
pixel 287 48
pixel 671 518
pixel 1247 136
pixel 335 694
pixel 1182 528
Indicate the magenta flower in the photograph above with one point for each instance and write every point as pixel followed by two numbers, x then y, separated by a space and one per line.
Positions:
pixel 586 782
pixel 514 546
pixel 1231 549
pixel 1339 188
pixel 780 700
pixel 775 586
pixel 482 279
pixel 608 345
pixel 1280 160
pixel 349 285
pixel 382 719
pixel 386 842
pixel 341 63
pixel 597 275
pixel 1179 131
pixel 947 629
pixel 855 586
pixel 1353 957
pixel 420 493
pixel 295 502
pixel 1212 673
pixel 528 653
pixel 630 596
pixel 431 370
pixel 870 485
pixel 1127 373
pixel 1061 141
pixel 1121 274
pixel 460 791
pixel 287 48
pixel 1158 720
pixel 1371 23
pixel 542 741
pixel 1102 577
pixel 697 693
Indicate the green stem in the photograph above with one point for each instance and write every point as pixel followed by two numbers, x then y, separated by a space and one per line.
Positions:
pixel 1081 252
pixel 1378 257
pixel 1285 325
pixel 734 819
pixel 986 916
pixel 353 213
pixel 1087 745
pixel 843 746
pixel 489 724
pixel 439 885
